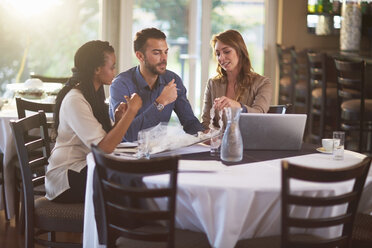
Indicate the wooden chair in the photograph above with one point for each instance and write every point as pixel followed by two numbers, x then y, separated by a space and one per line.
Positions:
pixel 25 108
pixel 61 80
pixel 355 111
pixel 301 88
pixel 280 109
pixel 2 184
pixel 323 99
pixel 287 74
pixel 42 215
pixel 357 172
pixel 118 213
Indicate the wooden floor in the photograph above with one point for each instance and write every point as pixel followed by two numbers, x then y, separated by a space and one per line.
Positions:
pixel 9 235
pixel 11 238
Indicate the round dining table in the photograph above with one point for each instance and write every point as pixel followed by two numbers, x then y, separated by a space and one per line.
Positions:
pixel 231 202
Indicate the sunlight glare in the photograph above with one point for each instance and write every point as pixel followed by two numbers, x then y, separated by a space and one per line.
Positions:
pixel 27 8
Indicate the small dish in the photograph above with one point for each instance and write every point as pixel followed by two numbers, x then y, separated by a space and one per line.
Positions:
pixel 323 150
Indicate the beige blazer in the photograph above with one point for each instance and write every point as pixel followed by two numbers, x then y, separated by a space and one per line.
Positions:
pixel 257 99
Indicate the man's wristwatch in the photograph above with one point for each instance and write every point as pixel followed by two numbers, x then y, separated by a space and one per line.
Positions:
pixel 159 106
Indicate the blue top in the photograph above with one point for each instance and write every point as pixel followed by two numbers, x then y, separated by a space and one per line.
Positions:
pixel 131 81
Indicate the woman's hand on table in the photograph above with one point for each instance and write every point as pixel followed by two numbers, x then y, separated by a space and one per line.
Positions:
pixel 224 102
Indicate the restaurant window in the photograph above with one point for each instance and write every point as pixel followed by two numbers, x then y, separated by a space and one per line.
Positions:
pixel 248 17
pixel 41 36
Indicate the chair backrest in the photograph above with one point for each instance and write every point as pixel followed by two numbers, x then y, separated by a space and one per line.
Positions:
pixel 114 191
pixel 286 59
pixel 280 109
pixel 302 65
pixel 287 69
pixel 350 78
pixel 357 172
pixel 24 107
pixel 33 157
pixel 350 85
pixel 50 79
pixel 317 70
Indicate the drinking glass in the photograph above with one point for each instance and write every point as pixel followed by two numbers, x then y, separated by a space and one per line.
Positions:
pixel 143 144
pixel 216 145
pixel 338 145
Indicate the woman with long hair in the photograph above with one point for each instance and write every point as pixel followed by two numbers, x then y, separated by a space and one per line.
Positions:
pixel 236 84
pixel 81 118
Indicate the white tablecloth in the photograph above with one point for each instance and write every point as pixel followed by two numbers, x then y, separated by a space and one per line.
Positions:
pixel 7 147
pixel 236 202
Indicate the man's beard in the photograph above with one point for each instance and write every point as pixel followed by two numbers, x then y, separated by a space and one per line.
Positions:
pixel 152 68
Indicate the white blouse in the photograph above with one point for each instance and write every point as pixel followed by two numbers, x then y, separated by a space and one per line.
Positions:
pixel 77 130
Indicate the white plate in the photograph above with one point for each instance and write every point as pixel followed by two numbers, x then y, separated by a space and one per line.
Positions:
pixel 322 150
pixel 127 145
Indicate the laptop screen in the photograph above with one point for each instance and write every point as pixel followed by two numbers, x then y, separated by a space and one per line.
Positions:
pixel 272 131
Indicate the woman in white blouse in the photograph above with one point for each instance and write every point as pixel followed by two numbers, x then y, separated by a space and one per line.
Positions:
pixel 81 119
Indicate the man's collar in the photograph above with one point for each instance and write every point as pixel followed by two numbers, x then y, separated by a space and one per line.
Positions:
pixel 141 81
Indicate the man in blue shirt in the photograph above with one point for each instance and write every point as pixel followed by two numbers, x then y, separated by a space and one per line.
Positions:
pixel 161 90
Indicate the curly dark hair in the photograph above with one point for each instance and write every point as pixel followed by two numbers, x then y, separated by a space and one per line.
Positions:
pixel 87 59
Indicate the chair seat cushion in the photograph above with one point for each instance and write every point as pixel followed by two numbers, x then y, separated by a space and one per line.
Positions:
pixel 183 239
pixel 58 217
pixel 331 96
pixel 350 110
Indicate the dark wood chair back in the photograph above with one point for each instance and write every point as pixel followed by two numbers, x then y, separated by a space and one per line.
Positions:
pixel 357 172
pixel 2 184
pixel 25 107
pixel 113 193
pixel 27 149
pixel 280 109
pixel 33 153
pixel 287 73
pixel 319 98
pixel 61 80
pixel 301 89
pixel 353 113
pixel 49 217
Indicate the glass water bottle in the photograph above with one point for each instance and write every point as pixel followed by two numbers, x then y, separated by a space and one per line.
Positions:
pixel 232 142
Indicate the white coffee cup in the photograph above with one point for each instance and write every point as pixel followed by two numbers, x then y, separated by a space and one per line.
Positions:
pixel 327 145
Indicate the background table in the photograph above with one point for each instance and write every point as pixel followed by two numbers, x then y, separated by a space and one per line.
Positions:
pixel 230 203
pixel 7 147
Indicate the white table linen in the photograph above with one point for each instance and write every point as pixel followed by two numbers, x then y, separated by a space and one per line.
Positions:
pixel 7 147
pixel 235 202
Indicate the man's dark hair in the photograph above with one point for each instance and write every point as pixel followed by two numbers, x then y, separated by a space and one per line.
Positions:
pixel 145 34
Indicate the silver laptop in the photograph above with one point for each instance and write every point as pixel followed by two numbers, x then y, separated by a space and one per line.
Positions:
pixel 272 131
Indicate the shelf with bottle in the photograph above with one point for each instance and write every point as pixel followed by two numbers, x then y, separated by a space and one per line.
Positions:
pixel 324 7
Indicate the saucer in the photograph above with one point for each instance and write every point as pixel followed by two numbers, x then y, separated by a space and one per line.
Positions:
pixel 322 150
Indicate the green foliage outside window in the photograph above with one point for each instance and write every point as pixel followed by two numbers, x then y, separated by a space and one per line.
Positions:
pixel 45 42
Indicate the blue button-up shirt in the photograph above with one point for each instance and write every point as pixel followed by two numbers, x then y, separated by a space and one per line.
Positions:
pixel 131 81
